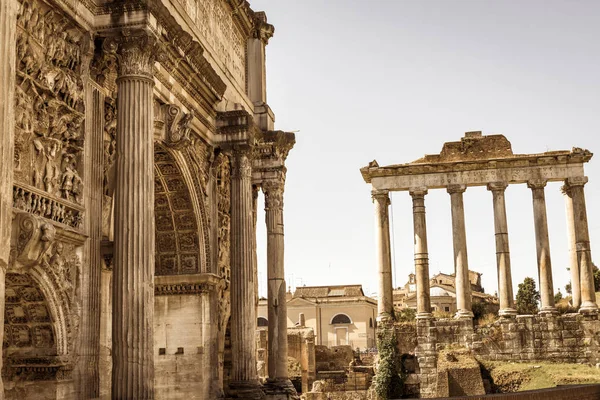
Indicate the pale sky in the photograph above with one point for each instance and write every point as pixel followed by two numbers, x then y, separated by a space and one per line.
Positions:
pixel 393 80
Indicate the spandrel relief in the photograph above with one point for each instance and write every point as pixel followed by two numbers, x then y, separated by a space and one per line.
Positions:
pixel 49 110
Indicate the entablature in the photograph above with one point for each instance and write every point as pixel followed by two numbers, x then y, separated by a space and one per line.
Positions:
pixel 477 168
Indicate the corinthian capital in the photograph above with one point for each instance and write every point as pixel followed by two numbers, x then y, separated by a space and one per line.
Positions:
pixel 136 53
pixel 241 166
pixel 273 194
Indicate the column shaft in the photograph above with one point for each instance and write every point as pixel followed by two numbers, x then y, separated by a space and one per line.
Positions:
pixel 244 381
pixel 8 28
pixel 385 301
pixel 573 263
pixel 461 262
pixel 133 282
pixel 505 289
pixel 421 253
pixel 584 253
pixel 277 306
pixel 542 246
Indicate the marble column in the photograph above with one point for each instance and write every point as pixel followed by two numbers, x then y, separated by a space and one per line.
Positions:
pixel 244 382
pixel 573 264
pixel 276 303
pixel 385 300
pixel 8 29
pixel 255 193
pixel 582 239
pixel 421 253
pixel 542 246
pixel 505 289
pixel 133 279
pixel 461 259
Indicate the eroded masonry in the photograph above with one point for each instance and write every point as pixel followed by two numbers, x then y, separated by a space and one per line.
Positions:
pixel 136 138
pixel 478 160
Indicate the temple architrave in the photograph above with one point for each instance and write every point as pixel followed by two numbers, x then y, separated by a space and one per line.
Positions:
pixel 136 136
pixel 478 160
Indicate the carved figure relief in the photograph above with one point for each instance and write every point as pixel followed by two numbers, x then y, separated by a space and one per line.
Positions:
pixel 49 108
pixel 222 173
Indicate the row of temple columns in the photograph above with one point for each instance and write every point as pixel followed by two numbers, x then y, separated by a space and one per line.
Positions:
pixel 580 254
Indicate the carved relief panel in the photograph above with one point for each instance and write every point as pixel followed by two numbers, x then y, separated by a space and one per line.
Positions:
pixel 49 110
pixel 215 20
pixel 222 170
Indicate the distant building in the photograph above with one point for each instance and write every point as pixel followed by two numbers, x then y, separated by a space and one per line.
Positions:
pixel 442 293
pixel 339 315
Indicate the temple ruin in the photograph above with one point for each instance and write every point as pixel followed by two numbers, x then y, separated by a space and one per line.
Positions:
pixel 478 160
pixel 136 137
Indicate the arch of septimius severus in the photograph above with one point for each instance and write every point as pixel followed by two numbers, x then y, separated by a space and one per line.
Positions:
pixel 478 160
pixel 135 140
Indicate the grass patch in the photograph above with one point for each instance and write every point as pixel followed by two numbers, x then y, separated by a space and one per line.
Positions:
pixel 511 377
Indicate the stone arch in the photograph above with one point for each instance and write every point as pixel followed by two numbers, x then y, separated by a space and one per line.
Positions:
pixel 340 318
pixel 181 233
pixel 32 328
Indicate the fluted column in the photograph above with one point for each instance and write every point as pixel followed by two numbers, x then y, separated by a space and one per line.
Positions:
pixel 505 289
pixel 573 263
pixel 461 259
pixel 244 382
pixel 582 239
pixel 133 286
pixel 8 29
pixel 385 300
pixel 276 304
pixel 421 253
pixel 255 193
pixel 542 246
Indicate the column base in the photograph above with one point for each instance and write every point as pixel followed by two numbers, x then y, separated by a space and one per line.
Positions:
pixel 508 312
pixel 424 315
pixel 280 389
pixel 588 307
pixel 463 314
pixel 251 390
pixel 384 317
pixel 547 311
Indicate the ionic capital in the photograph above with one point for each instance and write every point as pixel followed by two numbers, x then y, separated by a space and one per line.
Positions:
pixel 136 52
pixel 576 181
pixel 381 196
pixel 537 183
pixel 418 193
pixel 273 190
pixel 456 188
pixel 497 186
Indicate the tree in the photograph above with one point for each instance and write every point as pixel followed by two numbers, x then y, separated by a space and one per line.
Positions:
pixel 596 278
pixel 558 297
pixel 527 297
pixel 568 287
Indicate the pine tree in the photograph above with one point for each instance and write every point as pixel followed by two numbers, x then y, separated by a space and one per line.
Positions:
pixel 527 297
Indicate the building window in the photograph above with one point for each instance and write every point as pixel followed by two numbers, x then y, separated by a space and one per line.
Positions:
pixel 447 309
pixel 262 321
pixel 370 322
pixel 340 319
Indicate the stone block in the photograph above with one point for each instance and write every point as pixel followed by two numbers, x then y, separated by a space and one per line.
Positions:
pixel 572 342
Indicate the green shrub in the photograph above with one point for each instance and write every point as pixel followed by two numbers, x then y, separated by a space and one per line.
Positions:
pixel 389 380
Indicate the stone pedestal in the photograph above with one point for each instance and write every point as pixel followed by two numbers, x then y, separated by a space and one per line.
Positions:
pixel 461 262
pixel 542 246
pixel 505 289
pixel 8 28
pixel 573 263
pixel 244 382
pixel 278 382
pixel 582 239
pixel 421 253
pixel 385 300
pixel 133 279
